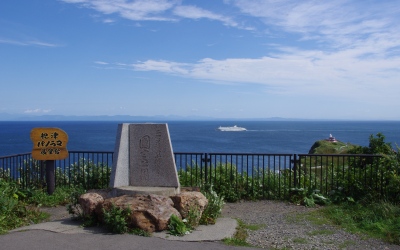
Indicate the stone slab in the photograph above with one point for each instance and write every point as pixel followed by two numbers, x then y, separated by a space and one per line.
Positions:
pixel 223 228
pixel 151 159
pixel 120 169
pixel 130 190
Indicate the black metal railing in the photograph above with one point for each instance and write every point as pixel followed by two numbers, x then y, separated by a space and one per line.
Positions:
pixel 81 168
pixel 235 175
pixel 357 174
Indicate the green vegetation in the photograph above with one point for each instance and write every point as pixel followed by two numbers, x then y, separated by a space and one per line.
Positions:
pixel 362 194
pixel 239 238
pixel 115 219
pixel 20 207
pixel 209 216
pixel 14 212
pixel 83 174
pixel 192 220
pixel 321 232
pixel 233 185
pixel 378 219
pixel 300 241
pixel 307 197
pixel 327 147
pixel 214 207
pixel 177 227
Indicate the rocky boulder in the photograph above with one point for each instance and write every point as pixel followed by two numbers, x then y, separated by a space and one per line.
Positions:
pixel 148 212
pixel 185 201
pixel 90 200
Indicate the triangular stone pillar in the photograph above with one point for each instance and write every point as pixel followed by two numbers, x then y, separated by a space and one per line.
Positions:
pixel 143 160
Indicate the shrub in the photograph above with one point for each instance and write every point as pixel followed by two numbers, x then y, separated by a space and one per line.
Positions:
pixel 193 217
pixel 214 207
pixel 115 219
pixel 177 227
pixel 14 212
pixel 308 197
pixel 87 175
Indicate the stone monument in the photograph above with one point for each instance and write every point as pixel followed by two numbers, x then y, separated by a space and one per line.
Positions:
pixel 144 162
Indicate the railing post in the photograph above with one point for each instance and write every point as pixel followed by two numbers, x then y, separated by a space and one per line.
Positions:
pixel 50 176
pixel 295 170
pixel 205 160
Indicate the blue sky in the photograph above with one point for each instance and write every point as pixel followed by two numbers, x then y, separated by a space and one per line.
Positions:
pixel 224 59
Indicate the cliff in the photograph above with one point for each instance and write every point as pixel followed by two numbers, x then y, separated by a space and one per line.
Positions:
pixel 329 147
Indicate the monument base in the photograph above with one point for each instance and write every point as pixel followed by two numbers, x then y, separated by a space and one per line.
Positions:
pixel 132 190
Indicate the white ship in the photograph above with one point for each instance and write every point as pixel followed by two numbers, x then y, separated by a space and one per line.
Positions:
pixel 234 128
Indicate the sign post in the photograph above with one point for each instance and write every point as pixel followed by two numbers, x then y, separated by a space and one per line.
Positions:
pixel 49 144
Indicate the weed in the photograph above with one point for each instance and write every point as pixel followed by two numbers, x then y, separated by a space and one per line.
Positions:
pixel 346 244
pixel 308 197
pixel 73 207
pixel 321 232
pixel 193 217
pixel 61 196
pixel 214 207
pixel 14 212
pixel 376 219
pixel 177 227
pixel 252 227
pixel 239 238
pixel 236 242
pixel 115 219
pixel 300 241
pixel 315 217
pixel 139 232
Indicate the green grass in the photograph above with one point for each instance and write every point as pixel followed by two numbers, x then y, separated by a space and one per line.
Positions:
pixel 377 219
pixel 252 227
pixel 380 220
pixel 300 241
pixel 21 207
pixel 61 196
pixel 320 232
pixel 239 238
pixel 315 217
pixel 346 244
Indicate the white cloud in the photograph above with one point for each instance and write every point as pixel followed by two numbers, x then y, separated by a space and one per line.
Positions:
pixel 43 44
pixel 336 23
pixel 305 73
pixel 108 20
pixel 194 12
pixel 13 42
pixel 37 111
pixel 352 48
pixel 162 66
pixel 101 62
pixel 154 10
pixel 133 10
pixel 27 43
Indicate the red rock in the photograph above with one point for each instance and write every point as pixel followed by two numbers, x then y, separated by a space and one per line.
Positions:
pixel 149 212
pixel 89 202
pixel 184 201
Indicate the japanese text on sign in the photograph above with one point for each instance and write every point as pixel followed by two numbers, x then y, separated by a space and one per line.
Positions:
pixel 49 144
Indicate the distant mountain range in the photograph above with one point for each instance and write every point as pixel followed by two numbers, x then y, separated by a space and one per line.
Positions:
pixel 13 117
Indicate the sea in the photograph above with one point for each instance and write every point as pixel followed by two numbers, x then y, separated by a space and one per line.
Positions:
pixel 288 137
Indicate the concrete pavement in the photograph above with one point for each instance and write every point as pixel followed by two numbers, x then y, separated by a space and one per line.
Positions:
pixel 67 234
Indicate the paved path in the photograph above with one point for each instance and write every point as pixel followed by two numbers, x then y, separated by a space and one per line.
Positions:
pixel 67 234
pixel 45 240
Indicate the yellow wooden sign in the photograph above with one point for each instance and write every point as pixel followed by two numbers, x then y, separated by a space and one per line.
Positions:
pixel 49 144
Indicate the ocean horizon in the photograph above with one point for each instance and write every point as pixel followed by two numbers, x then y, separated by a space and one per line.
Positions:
pixel 293 137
